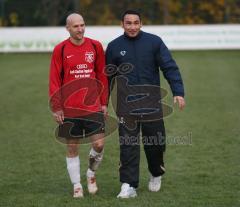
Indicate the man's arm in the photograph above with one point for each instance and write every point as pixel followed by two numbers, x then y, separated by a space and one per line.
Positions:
pixel 101 76
pixel 111 68
pixel 171 74
pixel 55 81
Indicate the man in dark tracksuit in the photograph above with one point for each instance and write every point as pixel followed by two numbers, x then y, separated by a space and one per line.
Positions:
pixel 137 57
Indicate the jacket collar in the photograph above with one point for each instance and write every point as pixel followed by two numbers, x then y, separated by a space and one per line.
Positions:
pixel 134 38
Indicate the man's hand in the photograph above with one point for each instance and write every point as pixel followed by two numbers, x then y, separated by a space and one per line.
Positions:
pixel 104 110
pixel 58 116
pixel 180 100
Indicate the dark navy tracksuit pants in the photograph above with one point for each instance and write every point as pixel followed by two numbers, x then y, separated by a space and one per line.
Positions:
pixel 153 139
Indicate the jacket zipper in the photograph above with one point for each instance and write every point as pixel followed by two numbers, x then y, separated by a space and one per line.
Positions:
pixel 136 62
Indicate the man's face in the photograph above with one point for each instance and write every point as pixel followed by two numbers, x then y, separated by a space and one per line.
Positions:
pixel 131 25
pixel 76 28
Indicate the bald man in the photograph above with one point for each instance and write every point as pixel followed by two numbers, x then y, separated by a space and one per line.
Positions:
pixel 77 69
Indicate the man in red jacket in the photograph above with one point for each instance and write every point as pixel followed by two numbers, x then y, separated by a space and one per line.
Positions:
pixel 78 90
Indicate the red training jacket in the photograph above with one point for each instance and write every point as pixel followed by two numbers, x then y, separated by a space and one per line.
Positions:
pixel 77 81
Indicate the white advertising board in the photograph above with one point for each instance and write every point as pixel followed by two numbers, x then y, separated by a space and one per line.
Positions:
pixel 43 39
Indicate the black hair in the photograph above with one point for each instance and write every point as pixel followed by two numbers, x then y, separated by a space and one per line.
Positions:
pixel 131 12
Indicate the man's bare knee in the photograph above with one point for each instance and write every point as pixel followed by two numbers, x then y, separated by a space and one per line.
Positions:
pixel 72 150
pixel 98 146
pixel 98 142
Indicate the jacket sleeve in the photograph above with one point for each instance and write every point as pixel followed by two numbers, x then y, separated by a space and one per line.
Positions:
pixel 170 69
pixel 100 73
pixel 111 68
pixel 55 80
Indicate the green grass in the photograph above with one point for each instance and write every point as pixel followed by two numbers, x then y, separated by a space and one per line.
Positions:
pixel 203 173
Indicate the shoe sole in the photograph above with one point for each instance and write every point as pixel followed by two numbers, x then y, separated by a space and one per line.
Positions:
pixel 151 190
pixel 124 197
pixel 78 196
pixel 93 192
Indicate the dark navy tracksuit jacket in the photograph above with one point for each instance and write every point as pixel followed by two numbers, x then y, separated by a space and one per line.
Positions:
pixel 146 53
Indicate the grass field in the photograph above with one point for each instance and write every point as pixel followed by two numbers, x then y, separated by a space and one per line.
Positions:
pixel 205 171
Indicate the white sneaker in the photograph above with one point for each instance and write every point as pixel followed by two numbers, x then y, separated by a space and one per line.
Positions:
pixel 77 191
pixel 154 184
pixel 127 191
pixel 92 185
